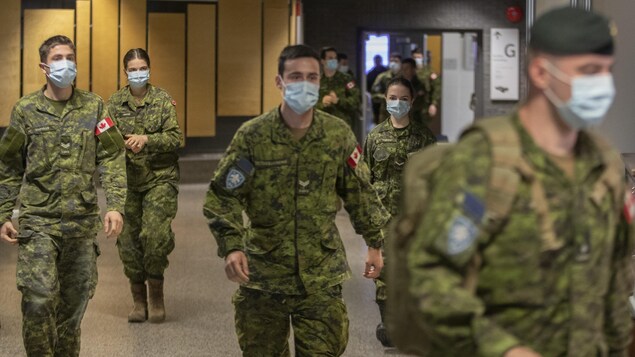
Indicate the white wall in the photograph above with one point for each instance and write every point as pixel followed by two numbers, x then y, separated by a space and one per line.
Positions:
pixel 543 5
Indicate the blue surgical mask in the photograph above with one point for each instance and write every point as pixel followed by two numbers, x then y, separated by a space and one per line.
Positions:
pixel 398 108
pixel 138 79
pixel 591 98
pixel 301 96
pixel 62 73
pixel 394 66
pixel 331 64
pixel 343 69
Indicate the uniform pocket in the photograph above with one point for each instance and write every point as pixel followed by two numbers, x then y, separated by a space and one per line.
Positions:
pixel 87 156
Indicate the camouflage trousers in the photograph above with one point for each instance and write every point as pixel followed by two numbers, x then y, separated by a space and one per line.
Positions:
pixel 57 276
pixel 147 238
pixel 320 323
pixel 381 295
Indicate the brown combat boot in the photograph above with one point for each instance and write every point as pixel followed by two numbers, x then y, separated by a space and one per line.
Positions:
pixel 140 297
pixel 156 309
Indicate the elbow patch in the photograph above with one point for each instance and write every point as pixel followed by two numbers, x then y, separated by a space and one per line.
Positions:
pixel 11 144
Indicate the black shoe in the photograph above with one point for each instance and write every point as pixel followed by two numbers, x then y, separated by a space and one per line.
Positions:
pixel 382 335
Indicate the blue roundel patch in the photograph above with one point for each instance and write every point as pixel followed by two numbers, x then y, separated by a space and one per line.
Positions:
pixel 461 235
pixel 235 178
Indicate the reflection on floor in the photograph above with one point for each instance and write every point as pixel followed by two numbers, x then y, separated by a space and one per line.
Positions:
pixel 199 311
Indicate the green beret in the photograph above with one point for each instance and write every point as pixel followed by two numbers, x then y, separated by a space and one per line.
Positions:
pixel 572 31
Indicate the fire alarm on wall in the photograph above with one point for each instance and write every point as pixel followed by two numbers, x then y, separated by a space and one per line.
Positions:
pixel 514 14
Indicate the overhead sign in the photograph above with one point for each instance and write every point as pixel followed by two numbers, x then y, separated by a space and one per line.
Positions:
pixel 504 64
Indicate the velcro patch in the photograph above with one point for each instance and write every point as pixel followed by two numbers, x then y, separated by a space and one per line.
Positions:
pixel 235 178
pixel 629 207
pixel 473 207
pixel 104 125
pixel 461 235
pixel 353 159
pixel 350 85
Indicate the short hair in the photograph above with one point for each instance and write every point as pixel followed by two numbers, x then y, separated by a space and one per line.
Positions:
pixel 51 42
pixel 293 52
pixel 403 82
pixel 409 61
pixel 135 53
pixel 416 50
pixel 378 57
pixel 396 54
pixel 326 49
pixel 341 56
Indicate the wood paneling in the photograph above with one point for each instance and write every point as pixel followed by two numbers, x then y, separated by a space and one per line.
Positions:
pixel 166 47
pixel 434 46
pixel 293 23
pixel 275 38
pixel 82 42
pixel 201 70
pixel 10 58
pixel 105 47
pixel 39 25
pixel 132 31
pixel 239 57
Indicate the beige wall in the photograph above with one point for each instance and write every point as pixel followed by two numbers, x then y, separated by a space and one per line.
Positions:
pixel 545 5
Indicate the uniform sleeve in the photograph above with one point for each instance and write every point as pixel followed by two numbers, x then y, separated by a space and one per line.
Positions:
pixel 378 90
pixel 12 164
pixel 435 95
pixel 170 137
pixel 445 244
pixel 225 199
pixel 111 163
pixel 367 213
pixel 618 323
pixel 367 155
pixel 352 97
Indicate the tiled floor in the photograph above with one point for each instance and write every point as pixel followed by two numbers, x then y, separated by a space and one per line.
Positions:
pixel 199 311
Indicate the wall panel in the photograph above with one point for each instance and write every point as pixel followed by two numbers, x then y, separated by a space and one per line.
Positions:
pixel 10 58
pixel 166 47
pixel 201 70
pixel 105 47
pixel 239 57
pixel 434 46
pixel 82 42
pixel 132 31
pixel 275 38
pixel 38 26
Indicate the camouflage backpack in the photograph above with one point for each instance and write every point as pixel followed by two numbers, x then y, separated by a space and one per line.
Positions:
pixel 509 168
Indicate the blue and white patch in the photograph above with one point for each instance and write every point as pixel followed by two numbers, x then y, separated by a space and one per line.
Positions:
pixel 473 207
pixel 235 178
pixel 462 235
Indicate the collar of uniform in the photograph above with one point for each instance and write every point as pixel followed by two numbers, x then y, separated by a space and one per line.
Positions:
pixel 588 157
pixel 130 100
pixel 386 125
pixel 282 135
pixel 43 105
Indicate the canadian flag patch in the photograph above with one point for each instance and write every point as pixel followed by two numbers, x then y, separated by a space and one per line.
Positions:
pixel 174 102
pixel 104 125
pixel 433 76
pixel 354 158
pixel 629 207
pixel 350 85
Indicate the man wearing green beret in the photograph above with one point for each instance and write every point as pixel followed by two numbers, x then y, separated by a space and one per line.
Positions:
pixel 525 243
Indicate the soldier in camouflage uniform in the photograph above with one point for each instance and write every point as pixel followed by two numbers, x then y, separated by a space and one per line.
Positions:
pixel 146 116
pixel 287 169
pixel 552 278
pixel 431 85
pixel 339 95
pixel 378 90
pixel 57 138
pixel 386 151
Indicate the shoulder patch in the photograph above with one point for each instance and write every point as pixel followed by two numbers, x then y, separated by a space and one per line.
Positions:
pixel 433 76
pixel 629 207
pixel 473 207
pixel 235 178
pixel 104 125
pixel 461 235
pixel 173 102
pixel 354 157
pixel 350 85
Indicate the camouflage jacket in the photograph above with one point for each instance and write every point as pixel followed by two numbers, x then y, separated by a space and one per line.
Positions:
pixel 57 156
pixel 290 191
pixel 565 298
pixel 156 118
pixel 349 95
pixel 431 84
pixel 386 151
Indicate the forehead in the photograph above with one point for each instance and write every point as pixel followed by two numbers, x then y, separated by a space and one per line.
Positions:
pixel 398 90
pixel 584 60
pixel 302 64
pixel 393 58
pixel 136 63
pixel 64 50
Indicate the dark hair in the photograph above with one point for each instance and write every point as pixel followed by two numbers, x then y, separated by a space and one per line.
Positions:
pixel 403 82
pixel 409 61
pixel 293 52
pixel 341 56
pixel 135 53
pixel 416 50
pixel 377 57
pixel 396 54
pixel 326 49
pixel 51 42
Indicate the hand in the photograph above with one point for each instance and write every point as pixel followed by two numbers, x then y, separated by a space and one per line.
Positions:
pixel 8 233
pixel 136 143
pixel 432 110
pixel 327 100
pixel 334 97
pixel 236 267
pixel 113 223
pixel 521 352
pixel 374 263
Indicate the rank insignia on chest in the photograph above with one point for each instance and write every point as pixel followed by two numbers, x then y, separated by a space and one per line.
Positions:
pixel 350 85
pixel 104 125
pixel 235 178
pixel 629 207
pixel 353 159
